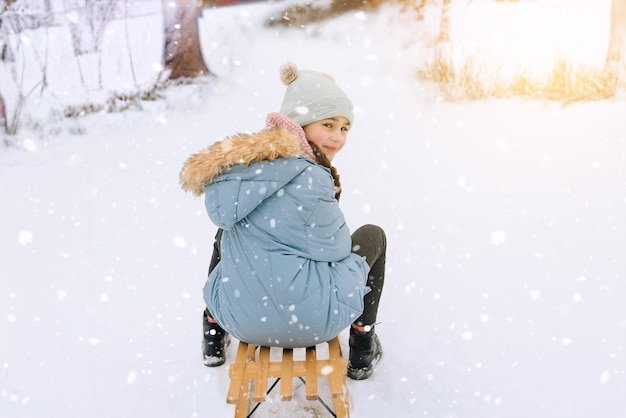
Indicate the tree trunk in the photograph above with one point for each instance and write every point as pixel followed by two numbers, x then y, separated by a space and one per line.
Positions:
pixel 302 14
pixel 617 41
pixel 342 6
pixel 181 53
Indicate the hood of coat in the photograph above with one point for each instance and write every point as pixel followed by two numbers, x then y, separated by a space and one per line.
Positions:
pixel 234 195
pixel 204 166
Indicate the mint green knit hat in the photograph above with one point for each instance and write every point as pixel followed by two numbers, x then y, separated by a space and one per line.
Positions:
pixel 312 96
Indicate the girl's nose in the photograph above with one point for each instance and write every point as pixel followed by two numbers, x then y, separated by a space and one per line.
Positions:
pixel 336 136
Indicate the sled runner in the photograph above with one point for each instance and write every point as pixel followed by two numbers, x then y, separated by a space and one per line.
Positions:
pixel 252 369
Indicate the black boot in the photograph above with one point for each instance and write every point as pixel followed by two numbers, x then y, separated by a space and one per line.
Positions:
pixel 365 353
pixel 214 343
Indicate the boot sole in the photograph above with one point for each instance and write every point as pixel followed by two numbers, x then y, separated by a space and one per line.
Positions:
pixel 364 372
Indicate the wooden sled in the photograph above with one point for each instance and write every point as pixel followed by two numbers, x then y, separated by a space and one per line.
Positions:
pixel 252 369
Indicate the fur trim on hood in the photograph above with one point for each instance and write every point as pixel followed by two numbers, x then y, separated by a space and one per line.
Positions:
pixel 216 159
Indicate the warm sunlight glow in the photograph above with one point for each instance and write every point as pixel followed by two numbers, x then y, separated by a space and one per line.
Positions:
pixel 530 35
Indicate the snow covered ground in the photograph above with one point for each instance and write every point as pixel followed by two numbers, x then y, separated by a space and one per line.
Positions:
pixel 506 219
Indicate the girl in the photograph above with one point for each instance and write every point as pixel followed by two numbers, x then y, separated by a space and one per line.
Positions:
pixel 285 271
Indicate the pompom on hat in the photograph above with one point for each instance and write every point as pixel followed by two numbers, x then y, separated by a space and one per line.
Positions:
pixel 312 96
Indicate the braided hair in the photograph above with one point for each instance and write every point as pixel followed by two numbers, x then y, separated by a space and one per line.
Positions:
pixel 324 161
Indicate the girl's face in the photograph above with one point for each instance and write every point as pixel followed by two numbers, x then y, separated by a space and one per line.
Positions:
pixel 328 134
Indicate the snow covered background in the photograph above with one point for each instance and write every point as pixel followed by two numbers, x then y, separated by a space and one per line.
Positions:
pixel 506 283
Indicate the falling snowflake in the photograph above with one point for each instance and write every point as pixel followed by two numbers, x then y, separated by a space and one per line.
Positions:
pixel 498 237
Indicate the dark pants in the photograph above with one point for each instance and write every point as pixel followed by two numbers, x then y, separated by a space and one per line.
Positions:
pixel 368 241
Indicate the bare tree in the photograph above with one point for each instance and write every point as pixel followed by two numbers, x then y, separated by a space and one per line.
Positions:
pixel 3 49
pixel 181 53
pixel 5 55
pixel 3 116
pixel 87 23
pixel 617 41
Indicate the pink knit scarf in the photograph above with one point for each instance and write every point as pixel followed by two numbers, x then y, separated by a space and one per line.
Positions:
pixel 277 120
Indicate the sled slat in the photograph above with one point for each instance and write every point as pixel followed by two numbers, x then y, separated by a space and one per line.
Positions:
pixel 286 375
pixel 311 374
pixel 260 384
pixel 236 374
pixel 337 370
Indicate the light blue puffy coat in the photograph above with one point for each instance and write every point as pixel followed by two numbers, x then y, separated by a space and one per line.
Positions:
pixel 287 276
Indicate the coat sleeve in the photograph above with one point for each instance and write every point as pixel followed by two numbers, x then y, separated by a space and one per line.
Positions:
pixel 328 237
